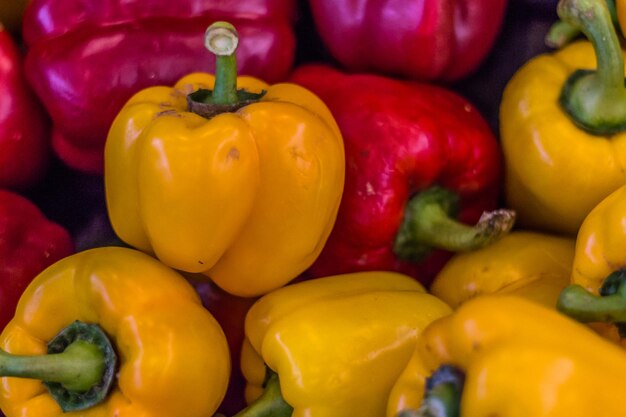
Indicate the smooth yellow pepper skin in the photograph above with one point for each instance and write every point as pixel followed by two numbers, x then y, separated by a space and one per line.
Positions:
pixel 337 343
pixel 247 198
pixel 520 359
pixel 555 172
pixel 532 265
pixel 174 359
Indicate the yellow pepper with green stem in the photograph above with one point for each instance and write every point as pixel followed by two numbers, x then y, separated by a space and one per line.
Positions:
pixel 562 123
pixel 531 265
pixel 598 290
pixel 509 357
pixel 242 185
pixel 333 346
pixel 128 337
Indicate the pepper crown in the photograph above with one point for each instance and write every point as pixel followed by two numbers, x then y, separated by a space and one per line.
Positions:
pixel 78 370
pixel 595 100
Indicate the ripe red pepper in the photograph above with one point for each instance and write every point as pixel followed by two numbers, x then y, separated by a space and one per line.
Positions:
pixel 87 57
pixel 416 155
pixel 419 39
pixel 24 127
pixel 29 243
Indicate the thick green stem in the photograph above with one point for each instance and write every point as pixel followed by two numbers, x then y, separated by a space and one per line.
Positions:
pixel 78 369
pixel 270 403
pixel 609 306
pixel 561 33
pixel 443 395
pixel 595 100
pixel 221 38
pixel 429 222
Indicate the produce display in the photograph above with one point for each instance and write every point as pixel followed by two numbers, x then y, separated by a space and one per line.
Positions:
pixel 312 208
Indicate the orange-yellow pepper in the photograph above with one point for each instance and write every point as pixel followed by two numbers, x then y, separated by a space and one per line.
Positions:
pixel 598 291
pixel 246 193
pixel 509 357
pixel 336 344
pixel 531 265
pixel 562 124
pixel 173 356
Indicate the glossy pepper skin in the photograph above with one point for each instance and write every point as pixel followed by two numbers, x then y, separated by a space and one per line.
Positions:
pixel 336 343
pixel 87 58
pixel 598 266
pixel 29 243
pixel 558 165
pixel 247 197
pixel 419 39
pixel 24 126
pixel 400 139
pixel 535 266
pixel 173 354
pixel 518 358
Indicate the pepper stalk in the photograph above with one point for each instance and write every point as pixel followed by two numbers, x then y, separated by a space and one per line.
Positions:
pixel 430 222
pixel 595 100
pixel 222 39
pixel 442 398
pixel 78 370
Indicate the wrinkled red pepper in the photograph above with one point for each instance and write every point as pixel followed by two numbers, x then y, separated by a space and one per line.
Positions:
pixel 24 126
pixel 230 312
pixel 419 39
pixel 29 243
pixel 410 148
pixel 87 57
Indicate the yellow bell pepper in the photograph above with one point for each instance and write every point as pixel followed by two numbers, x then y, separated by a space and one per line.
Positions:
pixel 173 356
pixel 244 188
pixel 598 290
pixel 562 125
pixel 333 346
pixel 531 265
pixel 509 357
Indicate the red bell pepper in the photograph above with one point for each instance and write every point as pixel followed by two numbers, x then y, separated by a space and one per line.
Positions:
pixel 24 127
pixel 230 312
pixel 87 57
pixel 419 39
pixel 29 243
pixel 416 154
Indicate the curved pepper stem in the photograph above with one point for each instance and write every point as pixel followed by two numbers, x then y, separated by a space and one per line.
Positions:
pixel 221 39
pixel 443 394
pixel 270 403
pixel 608 307
pixel 595 100
pixel 78 370
pixel 429 222
pixel 561 33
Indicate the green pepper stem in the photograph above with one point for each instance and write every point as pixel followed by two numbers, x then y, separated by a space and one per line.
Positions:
pixel 78 370
pixel 595 100
pixel 561 33
pixel 428 223
pixel 221 39
pixel 270 403
pixel 442 398
pixel 610 306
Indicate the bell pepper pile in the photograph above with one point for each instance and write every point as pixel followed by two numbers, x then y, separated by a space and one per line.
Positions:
pixel 311 239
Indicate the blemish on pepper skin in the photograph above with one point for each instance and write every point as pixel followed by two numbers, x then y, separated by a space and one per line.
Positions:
pixel 201 263
pixel 233 153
